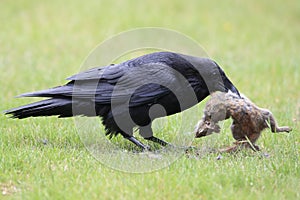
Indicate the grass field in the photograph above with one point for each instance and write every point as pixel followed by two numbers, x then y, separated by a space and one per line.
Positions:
pixel 43 42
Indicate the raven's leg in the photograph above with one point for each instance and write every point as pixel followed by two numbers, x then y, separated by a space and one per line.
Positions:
pixel 136 142
pixel 147 133
pixel 157 140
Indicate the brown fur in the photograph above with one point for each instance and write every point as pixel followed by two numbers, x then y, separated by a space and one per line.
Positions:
pixel 248 119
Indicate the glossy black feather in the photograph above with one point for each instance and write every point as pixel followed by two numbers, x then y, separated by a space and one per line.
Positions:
pixel 93 92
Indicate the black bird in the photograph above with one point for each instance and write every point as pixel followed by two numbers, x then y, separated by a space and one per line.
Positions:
pixel 124 95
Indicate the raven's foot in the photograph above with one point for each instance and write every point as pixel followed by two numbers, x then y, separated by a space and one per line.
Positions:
pixel 157 140
pixel 137 143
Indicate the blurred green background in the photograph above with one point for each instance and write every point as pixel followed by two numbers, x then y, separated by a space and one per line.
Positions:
pixel 43 42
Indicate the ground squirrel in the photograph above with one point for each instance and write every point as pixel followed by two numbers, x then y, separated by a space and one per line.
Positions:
pixel 248 119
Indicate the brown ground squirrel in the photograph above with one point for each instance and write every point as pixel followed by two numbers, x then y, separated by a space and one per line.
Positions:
pixel 248 119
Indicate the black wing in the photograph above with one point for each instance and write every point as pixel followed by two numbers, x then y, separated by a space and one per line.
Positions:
pixel 142 80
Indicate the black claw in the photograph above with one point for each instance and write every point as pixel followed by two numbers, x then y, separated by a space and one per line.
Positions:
pixel 137 142
pixel 157 140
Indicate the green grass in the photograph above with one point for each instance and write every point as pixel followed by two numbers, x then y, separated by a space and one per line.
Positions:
pixel 41 43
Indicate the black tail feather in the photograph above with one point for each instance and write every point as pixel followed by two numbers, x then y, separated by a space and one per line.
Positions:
pixel 60 91
pixel 48 107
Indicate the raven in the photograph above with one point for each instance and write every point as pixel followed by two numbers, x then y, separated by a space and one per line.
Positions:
pixel 124 94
